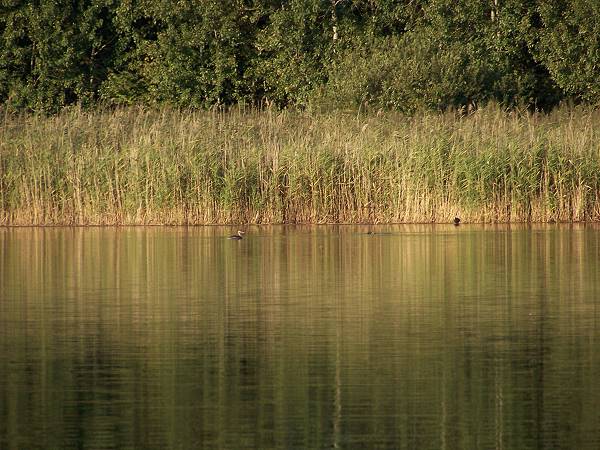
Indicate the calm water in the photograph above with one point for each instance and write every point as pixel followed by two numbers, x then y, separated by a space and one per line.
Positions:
pixel 420 337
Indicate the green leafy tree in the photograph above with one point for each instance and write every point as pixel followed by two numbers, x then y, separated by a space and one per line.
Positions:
pixel 444 54
pixel 405 54
pixel 55 53
pixel 567 42
pixel 201 51
pixel 291 50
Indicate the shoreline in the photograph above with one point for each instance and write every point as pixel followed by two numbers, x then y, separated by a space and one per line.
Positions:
pixel 301 225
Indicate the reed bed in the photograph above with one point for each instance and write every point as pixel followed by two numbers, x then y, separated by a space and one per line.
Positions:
pixel 170 166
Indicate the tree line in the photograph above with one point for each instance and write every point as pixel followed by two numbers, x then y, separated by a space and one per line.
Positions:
pixel 399 54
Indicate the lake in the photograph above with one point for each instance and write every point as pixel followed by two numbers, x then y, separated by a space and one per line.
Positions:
pixel 415 337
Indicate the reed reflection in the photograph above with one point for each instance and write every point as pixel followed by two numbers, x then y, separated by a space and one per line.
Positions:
pixel 299 337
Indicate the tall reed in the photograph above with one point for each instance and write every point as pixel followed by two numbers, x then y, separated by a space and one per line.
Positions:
pixel 168 166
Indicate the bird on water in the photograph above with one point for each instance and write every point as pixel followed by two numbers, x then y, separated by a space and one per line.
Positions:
pixel 237 236
pixel 456 221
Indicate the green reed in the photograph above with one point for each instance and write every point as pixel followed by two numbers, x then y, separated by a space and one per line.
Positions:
pixel 169 166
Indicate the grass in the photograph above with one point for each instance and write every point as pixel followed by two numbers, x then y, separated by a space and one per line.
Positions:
pixel 169 166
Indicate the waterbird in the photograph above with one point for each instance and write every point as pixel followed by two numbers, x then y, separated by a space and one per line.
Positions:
pixel 456 221
pixel 237 236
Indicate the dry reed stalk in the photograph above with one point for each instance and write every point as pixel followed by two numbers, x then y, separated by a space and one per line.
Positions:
pixel 165 166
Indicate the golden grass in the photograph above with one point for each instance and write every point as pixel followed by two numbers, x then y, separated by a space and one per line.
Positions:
pixel 168 166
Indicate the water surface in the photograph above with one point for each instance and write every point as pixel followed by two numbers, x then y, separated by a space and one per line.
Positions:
pixel 428 337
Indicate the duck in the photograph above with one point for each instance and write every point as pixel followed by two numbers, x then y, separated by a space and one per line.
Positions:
pixel 456 221
pixel 237 236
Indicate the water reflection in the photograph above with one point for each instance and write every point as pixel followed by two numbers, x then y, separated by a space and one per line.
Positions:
pixel 300 337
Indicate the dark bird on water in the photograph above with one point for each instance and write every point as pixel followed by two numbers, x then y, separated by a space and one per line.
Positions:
pixel 237 236
pixel 456 221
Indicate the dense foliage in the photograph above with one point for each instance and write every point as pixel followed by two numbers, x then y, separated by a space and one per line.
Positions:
pixel 400 54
